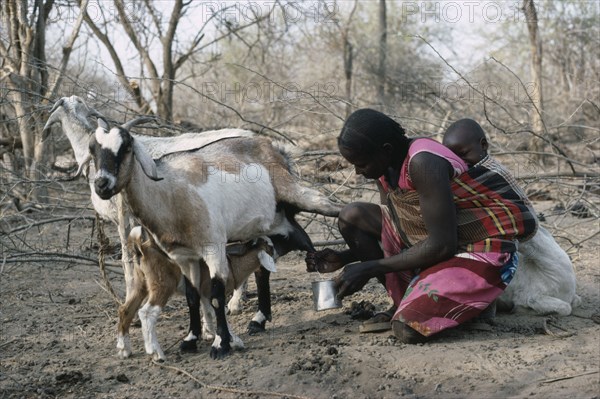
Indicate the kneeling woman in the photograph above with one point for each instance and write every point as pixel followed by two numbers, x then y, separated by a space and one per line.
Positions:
pixel 444 239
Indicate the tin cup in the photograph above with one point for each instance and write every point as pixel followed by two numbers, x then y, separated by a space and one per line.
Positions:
pixel 324 295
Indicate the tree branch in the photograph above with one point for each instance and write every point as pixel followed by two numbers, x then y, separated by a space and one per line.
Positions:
pixel 67 49
pixel 120 71
pixel 138 46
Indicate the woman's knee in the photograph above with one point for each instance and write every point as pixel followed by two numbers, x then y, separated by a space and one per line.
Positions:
pixel 360 216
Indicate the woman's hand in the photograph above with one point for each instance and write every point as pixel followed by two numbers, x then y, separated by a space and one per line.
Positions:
pixel 352 279
pixel 324 261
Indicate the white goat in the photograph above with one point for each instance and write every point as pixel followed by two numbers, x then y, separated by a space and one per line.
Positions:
pixel 235 189
pixel 158 278
pixel 72 113
pixel 545 278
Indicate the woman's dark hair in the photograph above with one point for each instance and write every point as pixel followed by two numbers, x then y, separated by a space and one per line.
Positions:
pixel 368 130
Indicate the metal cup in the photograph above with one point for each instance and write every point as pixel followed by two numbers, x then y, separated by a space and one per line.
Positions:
pixel 324 295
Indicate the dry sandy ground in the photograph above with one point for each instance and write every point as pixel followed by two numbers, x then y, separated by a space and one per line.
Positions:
pixel 57 339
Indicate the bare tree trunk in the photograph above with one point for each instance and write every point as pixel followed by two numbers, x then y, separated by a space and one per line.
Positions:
pixel 535 45
pixel 26 75
pixel 382 53
pixel 348 60
pixel 348 54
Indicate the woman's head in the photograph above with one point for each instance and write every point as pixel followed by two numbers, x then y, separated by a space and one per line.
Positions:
pixel 372 142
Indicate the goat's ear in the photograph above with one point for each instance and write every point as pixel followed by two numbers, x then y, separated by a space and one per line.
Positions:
pixel 84 165
pixel 103 123
pixel 145 160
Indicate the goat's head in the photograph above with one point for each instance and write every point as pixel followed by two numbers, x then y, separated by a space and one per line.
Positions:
pixel 72 109
pixel 114 151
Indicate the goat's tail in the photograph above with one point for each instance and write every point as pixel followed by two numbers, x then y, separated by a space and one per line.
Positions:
pixel 303 198
pixel 288 152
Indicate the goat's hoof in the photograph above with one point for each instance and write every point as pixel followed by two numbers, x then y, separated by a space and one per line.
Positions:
pixel 159 358
pixel 234 310
pixel 208 336
pixel 189 346
pixel 123 354
pixel 219 353
pixel 255 327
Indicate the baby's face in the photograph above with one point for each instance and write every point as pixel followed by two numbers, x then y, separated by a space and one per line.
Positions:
pixel 471 152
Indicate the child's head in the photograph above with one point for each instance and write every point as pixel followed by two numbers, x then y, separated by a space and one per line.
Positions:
pixel 467 140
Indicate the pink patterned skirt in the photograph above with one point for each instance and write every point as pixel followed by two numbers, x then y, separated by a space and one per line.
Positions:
pixel 441 296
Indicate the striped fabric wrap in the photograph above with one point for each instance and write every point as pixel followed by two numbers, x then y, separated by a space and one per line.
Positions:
pixel 492 211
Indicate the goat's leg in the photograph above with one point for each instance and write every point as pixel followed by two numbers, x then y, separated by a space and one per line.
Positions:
pixel 257 324
pixel 218 265
pixel 222 343
pixel 204 327
pixel 126 314
pixel 123 228
pixel 149 316
pixel 159 295
pixel 544 304
pixel 190 343
pixel 209 320
pixel 234 306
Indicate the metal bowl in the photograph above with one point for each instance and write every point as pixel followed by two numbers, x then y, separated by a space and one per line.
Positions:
pixel 325 295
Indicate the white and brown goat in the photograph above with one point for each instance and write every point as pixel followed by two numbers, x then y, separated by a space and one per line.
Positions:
pixel 72 114
pixel 194 202
pixel 157 278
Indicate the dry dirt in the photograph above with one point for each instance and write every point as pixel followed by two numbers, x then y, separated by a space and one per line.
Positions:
pixel 58 327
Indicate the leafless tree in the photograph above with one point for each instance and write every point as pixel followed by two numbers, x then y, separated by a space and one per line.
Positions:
pixel 382 52
pixel 535 48
pixel 146 23
pixel 29 81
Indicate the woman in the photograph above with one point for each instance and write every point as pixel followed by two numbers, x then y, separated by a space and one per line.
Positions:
pixel 444 240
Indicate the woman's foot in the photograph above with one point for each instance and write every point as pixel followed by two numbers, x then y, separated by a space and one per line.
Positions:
pixel 407 335
pixel 324 261
pixel 379 322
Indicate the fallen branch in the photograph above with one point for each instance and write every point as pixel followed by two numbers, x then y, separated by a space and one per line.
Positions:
pixel 547 331
pixel 567 377
pixel 577 244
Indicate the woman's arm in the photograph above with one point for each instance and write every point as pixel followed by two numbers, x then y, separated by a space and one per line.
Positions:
pixel 382 194
pixel 430 176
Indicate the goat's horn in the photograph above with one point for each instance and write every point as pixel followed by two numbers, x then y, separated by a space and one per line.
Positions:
pixel 57 104
pixel 52 119
pixel 102 122
pixel 93 112
pixel 83 164
pixel 137 121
